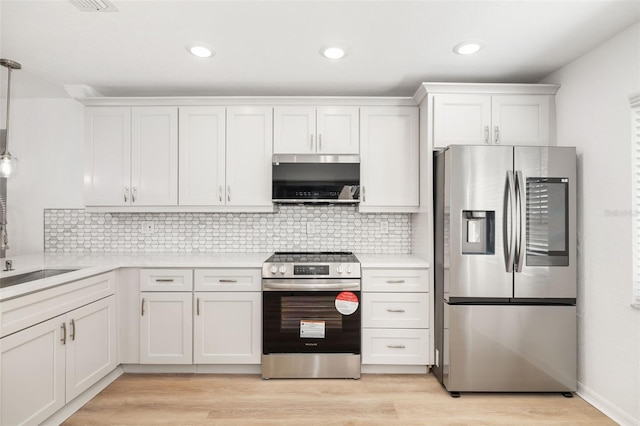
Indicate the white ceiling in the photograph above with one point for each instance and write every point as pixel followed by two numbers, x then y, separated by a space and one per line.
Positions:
pixel 272 47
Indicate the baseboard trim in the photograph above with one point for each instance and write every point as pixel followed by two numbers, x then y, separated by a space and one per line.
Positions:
pixel 606 407
pixel 65 412
pixel 192 369
pixel 394 369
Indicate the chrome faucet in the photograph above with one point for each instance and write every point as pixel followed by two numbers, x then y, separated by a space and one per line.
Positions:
pixel 8 265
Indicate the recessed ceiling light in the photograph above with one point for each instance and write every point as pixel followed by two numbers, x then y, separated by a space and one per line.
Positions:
pixel 467 47
pixel 200 50
pixel 333 52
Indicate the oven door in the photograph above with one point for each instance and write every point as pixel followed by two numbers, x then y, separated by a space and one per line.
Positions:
pixel 314 321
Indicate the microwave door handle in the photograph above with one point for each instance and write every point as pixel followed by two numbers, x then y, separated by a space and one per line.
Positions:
pixel 509 218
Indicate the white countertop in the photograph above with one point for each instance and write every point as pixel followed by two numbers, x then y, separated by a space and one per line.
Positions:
pixel 89 264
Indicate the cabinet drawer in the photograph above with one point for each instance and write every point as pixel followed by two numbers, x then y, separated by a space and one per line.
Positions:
pixel 166 280
pixel 25 311
pixel 395 346
pixel 227 279
pixel 391 310
pixel 395 280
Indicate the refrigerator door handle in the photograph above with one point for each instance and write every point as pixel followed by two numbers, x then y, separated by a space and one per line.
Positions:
pixel 520 214
pixel 508 228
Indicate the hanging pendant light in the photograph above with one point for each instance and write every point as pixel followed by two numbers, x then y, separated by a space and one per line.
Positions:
pixel 8 163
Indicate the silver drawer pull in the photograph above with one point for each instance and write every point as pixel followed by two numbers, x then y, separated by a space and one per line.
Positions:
pixel 396 310
pixel 396 346
pixel 164 280
pixel 395 281
pixel 227 281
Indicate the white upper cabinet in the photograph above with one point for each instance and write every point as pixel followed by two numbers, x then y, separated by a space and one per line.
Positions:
pixel 131 156
pixel 249 151
pixel 389 159
pixel 472 119
pixel 225 156
pixel 154 156
pixel 311 130
pixel 107 156
pixel 202 155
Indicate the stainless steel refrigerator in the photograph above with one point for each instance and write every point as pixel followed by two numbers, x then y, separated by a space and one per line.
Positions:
pixel 505 268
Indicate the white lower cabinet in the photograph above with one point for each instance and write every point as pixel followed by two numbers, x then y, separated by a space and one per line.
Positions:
pixel 201 316
pixel 47 365
pixel 226 328
pixel 396 316
pixel 165 328
pixel 395 346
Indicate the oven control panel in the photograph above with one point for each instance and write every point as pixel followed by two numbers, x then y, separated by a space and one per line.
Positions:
pixel 328 270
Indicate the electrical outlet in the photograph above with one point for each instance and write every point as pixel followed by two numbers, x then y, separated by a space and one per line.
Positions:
pixel 311 228
pixel 384 227
pixel 148 227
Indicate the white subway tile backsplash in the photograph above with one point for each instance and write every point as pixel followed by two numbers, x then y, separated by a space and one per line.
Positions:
pixel 335 228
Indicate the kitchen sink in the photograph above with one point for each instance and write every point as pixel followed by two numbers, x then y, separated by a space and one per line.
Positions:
pixel 32 276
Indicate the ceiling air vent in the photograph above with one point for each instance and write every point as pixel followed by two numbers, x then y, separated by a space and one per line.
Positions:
pixel 94 5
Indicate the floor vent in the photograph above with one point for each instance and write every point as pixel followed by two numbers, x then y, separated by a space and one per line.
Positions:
pixel 94 5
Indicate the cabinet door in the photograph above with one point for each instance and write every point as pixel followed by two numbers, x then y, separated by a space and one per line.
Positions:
pixel 389 159
pixel 165 328
pixel 338 131
pixel 202 156
pixel 294 130
pixel 249 150
pixel 520 120
pixel 32 373
pixel 91 345
pixel 107 167
pixel 154 156
pixel 227 328
pixel 460 119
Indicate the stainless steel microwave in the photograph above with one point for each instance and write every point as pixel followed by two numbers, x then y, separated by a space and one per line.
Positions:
pixel 317 179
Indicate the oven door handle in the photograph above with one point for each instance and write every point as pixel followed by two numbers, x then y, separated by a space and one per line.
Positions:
pixel 309 286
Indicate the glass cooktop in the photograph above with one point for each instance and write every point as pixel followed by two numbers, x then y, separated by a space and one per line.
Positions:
pixel 313 257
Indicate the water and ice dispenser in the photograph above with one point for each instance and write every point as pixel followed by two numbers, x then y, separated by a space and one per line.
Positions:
pixel 478 232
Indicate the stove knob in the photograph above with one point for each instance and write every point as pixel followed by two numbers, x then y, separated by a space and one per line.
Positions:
pixel 349 269
pixel 273 269
pixel 283 269
pixel 339 269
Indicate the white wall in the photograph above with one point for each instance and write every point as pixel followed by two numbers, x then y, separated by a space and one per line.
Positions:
pixel 46 136
pixel 593 114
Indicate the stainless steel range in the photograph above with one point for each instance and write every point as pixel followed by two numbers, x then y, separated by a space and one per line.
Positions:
pixel 311 315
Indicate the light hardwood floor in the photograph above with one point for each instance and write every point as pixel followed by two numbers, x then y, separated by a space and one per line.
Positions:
pixel 135 399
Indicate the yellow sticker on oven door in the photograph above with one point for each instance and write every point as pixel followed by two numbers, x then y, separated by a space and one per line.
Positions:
pixel 312 329
pixel 347 303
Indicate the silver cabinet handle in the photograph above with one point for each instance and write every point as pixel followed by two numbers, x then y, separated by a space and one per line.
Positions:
pixel 142 308
pixel 126 194
pixel 228 192
pixel 220 193
pixel 496 132
pixel 486 134
pixel 63 339
pixel 398 311
pixel 134 194
pixel 73 329
pixel 320 142
pixel 222 280
pixel 164 280
pixel 198 306
pixel 396 346
pixel 395 281
pixel 364 198
pixel 311 144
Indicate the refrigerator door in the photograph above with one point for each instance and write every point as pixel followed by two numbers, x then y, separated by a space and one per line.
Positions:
pixel 546 203
pixel 504 348
pixel 476 236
